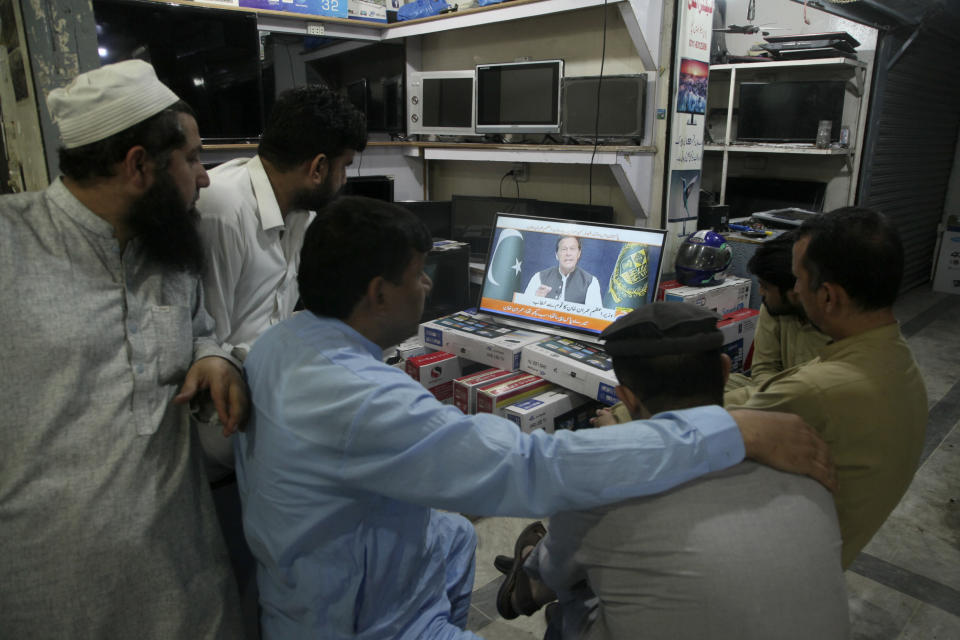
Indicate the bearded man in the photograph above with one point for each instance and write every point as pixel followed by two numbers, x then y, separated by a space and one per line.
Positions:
pixel 109 529
pixel 256 211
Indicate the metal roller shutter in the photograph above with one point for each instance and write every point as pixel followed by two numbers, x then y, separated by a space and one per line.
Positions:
pixel 911 141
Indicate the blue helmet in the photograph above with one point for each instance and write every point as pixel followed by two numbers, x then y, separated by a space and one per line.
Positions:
pixel 703 259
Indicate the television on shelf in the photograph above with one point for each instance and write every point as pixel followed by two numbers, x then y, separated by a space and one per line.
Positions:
pixel 524 256
pixel 789 111
pixel 207 56
pixel 692 87
pixel 519 97
pixel 622 106
pixel 441 103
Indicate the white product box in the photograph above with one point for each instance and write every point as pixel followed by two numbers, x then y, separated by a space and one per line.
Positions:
pixel 410 347
pixel 540 411
pixel 730 295
pixel 947 276
pixel 465 388
pixel 479 340
pixel 738 329
pixel 435 371
pixel 578 366
pixel 494 397
pixel 374 10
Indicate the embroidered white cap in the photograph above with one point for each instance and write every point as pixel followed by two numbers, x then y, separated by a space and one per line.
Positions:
pixel 105 101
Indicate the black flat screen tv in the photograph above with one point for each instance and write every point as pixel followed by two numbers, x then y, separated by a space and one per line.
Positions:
pixel 789 111
pixel 207 56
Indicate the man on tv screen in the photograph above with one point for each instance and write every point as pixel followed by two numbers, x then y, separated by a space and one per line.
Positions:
pixel 566 281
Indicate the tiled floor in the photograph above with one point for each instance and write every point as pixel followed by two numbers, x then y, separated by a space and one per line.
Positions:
pixel 906 583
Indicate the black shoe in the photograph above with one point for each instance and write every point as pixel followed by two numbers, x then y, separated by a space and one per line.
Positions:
pixel 503 564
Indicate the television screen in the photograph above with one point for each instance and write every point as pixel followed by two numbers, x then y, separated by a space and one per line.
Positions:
pixel 568 275
pixel 441 103
pixel 519 97
pixel 692 87
pixel 622 106
pixel 472 219
pixel 789 111
pixel 208 57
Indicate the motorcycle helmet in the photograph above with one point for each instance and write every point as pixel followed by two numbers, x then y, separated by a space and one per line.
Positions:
pixel 703 259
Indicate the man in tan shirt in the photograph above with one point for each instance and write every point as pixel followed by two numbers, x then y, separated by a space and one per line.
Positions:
pixel 785 338
pixel 864 393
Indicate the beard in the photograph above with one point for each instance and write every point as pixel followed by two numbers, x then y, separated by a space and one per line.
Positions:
pixel 315 199
pixel 166 228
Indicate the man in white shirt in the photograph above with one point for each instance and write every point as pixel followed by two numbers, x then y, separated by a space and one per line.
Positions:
pixel 566 281
pixel 256 210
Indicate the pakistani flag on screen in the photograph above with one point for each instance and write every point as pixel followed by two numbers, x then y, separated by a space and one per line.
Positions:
pixel 630 280
pixel 506 262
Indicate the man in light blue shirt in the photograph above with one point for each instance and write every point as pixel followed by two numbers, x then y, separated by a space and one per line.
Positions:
pixel 347 460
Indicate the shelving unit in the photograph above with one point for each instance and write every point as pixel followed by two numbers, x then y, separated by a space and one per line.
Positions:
pixel 845 67
pixel 632 167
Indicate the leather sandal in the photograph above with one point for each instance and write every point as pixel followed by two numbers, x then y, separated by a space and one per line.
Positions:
pixel 516 584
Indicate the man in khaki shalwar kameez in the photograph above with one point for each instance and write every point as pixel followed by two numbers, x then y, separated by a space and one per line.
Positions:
pixel 864 392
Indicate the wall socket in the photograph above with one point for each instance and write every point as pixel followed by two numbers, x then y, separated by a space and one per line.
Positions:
pixel 314 28
pixel 520 171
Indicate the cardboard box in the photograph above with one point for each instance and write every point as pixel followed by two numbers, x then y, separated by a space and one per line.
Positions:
pixel 578 366
pixel 540 411
pixel 494 397
pixel 327 8
pixel 947 276
pixel 436 372
pixel 373 10
pixel 730 295
pixel 465 387
pixel 738 329
pixel 479 340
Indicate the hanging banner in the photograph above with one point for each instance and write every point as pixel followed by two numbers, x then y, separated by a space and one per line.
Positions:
pixel 688 112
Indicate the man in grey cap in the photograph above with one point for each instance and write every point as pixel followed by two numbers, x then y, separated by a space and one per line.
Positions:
pixel 746 552
pixel 108 526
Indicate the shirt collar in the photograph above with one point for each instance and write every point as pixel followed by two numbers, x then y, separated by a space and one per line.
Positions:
pixel 350 334
pixel 61 196
pixel 837 349
pixel 267 206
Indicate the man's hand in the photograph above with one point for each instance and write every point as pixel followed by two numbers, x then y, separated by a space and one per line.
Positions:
pixel 784 441
pixel 227 390
pixel 604 418
pixel 543 290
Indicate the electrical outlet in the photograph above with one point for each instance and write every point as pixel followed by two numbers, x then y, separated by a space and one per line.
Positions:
pixel 520 173
pixel 314 28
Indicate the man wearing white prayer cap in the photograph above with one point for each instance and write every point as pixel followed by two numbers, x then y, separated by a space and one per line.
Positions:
pixel 109 529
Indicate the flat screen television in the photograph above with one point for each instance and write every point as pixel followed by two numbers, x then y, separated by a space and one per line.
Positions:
pixel 449 270
pixel 441 103
pixel 379 187
pixel 692 87
pixel 207 56
pixel 434 213
pixel 472 219
pixel 519 97
pixel 789 111
pixel 622 263
pixel 746 196
pixel 622 106
pixel 574 211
